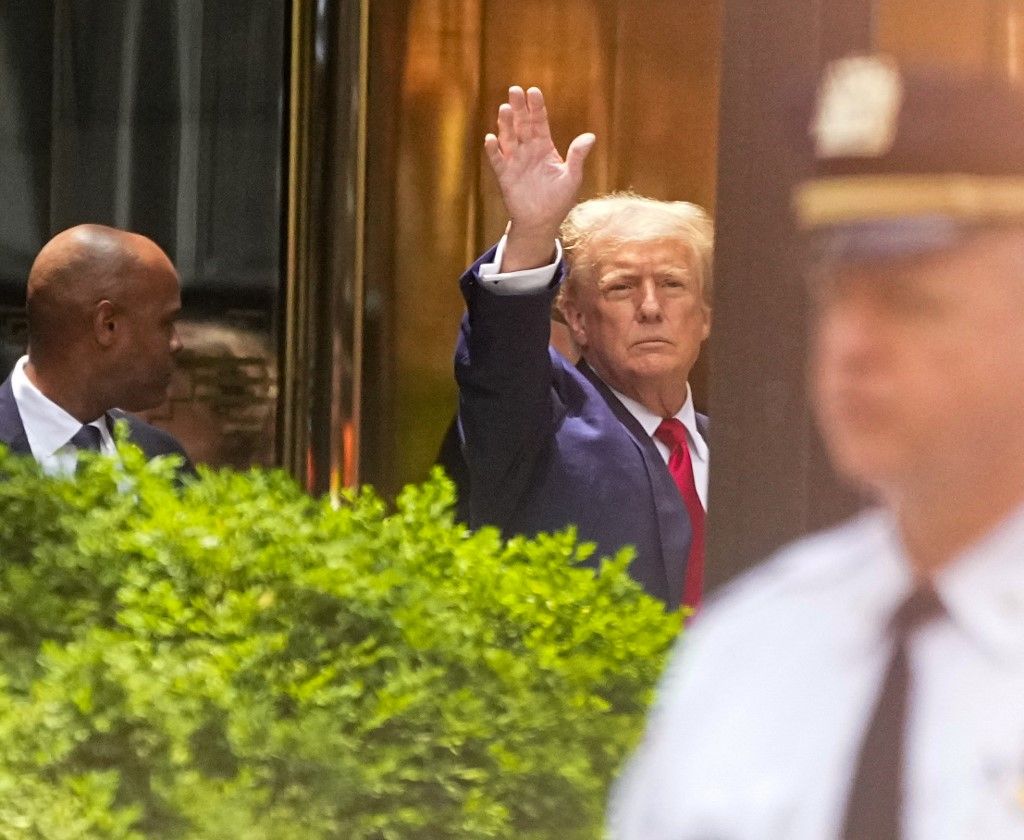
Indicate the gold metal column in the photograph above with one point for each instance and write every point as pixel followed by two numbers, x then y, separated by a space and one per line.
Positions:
pixel 293 434
pixel 321 336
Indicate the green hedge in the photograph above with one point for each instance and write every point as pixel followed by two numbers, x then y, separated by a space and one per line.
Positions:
pixel 237 660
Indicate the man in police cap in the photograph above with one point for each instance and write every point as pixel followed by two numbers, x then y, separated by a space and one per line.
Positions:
pixel 869 682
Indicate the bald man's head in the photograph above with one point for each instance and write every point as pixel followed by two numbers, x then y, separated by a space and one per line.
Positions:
pixel 102 302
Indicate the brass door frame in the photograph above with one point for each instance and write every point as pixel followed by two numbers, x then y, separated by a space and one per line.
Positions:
pixel 321 337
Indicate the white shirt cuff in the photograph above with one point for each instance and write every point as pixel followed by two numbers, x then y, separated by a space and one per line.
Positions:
pixel 524 282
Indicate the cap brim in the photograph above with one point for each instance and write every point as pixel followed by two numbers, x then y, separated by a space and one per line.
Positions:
pixel 853 218
pixel 837 200
pixel 887 239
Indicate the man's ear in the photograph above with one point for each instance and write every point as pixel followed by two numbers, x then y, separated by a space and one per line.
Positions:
pixel 574 319
pixel 104 323
pixel 707 323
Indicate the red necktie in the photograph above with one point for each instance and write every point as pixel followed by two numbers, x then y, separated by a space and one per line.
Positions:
pixel 672 433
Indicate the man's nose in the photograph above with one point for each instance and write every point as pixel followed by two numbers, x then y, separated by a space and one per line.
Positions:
pixel 650 304
pixel 176 344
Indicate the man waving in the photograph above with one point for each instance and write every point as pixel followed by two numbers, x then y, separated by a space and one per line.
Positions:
pixel 613 444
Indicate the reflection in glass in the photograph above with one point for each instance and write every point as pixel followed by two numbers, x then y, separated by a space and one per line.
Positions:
pixel 163 118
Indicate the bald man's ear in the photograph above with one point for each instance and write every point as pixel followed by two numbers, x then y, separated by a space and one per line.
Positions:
pixel 104 323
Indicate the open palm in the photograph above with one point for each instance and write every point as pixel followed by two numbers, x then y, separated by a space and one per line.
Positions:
pixel 538 187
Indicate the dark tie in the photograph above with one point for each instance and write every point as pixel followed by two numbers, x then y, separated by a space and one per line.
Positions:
pixel 672 433
pixel 88 437
pixel 874 809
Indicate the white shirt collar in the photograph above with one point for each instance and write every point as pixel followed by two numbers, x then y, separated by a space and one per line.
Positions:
pixel 650 421
pixel 982 589
pixel 48 427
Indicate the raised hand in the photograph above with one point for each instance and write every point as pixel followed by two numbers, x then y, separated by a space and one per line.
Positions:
pixel 537 186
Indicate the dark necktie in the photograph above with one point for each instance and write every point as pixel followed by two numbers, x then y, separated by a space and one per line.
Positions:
pixel 672 433
pixel 88 437
pixel 874 809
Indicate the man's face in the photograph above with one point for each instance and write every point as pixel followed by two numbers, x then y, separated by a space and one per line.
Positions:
pixel 917 366
pixel 640 319
pixel 149 339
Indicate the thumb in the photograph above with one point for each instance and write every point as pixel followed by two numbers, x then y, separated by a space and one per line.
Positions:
pixel 578 151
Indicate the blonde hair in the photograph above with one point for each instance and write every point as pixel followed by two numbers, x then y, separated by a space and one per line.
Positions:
pixel 620 218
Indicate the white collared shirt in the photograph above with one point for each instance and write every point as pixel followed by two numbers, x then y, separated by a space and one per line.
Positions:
pixel 523 282
pixel 762 711
pixel 533 280
pixel 49 428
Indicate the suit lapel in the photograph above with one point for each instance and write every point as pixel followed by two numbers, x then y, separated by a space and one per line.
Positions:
pixel 673 521
pixel 114 415
pixel 12 430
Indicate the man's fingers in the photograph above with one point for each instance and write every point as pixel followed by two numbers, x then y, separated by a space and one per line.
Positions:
pixel 578 151
pixel 493 149
pixel 538 113
pixel 506 130
pixel 520 114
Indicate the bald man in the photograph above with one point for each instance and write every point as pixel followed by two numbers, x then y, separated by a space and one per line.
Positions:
pixel 102 305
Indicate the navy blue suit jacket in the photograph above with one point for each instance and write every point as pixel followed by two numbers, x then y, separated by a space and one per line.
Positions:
pixel 548 444
pixel 151 440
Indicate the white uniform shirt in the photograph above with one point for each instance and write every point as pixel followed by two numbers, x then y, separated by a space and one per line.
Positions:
pixel 762 711
pixel 532 280
pixel 49 427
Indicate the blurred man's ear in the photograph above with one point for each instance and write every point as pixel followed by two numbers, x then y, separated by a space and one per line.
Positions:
pixel 104 323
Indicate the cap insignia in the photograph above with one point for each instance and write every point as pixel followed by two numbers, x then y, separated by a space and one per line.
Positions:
pixel 858 108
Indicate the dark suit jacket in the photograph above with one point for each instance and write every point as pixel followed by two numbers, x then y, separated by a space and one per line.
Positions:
pixel 548 444
pixel 151 440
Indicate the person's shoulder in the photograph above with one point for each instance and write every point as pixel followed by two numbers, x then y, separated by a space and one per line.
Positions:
pixel 7 401
pixel 7 391
pixel 804 572
pixel 12 429
pixel 149 438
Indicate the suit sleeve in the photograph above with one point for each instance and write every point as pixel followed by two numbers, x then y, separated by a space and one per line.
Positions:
pixel 507 407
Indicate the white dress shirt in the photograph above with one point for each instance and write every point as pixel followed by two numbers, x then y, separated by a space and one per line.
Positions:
pixel 532 280
pixel 762 711
pixel 49 428
pixel 523 282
